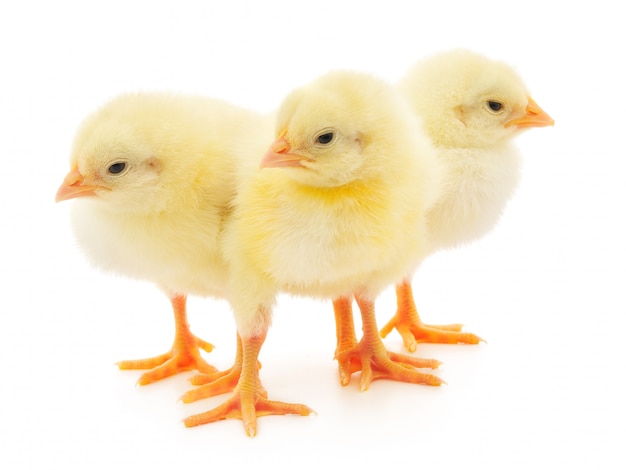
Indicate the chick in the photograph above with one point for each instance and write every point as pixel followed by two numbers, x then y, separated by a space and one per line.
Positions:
pixel 472 108
pixel 154 177
pixel 336 212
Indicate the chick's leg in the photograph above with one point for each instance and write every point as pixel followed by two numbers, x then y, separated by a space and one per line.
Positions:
pixel 184 354
pixel 413 331
pixel 249 399
pixel 378 363
pixel 346 339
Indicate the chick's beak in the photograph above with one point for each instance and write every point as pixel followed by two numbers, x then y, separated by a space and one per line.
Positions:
pixel 534 117
pixel 74 186
pixel 278 155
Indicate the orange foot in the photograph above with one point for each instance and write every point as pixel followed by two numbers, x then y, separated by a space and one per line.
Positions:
pixel 219 382
pixel 370 355
pixel 413 331
pixel 184 355
pixel 249 399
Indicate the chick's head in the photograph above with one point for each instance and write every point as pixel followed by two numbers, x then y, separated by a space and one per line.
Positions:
pixel 324 130
pixel 123 155
pixel 468 100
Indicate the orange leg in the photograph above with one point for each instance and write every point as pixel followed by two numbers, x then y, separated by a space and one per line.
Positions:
pixel 184 355
pixel 375 362
pixel 249 399
pixel 413 331
pixel 346 339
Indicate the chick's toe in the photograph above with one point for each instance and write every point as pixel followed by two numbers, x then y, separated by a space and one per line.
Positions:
pixel 413 331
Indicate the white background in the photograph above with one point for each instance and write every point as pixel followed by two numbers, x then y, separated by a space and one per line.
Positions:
pixel 545 288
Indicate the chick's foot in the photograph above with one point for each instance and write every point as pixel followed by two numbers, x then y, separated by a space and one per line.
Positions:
pixel 410 327
pixel 249 399
pixel 375 362
pixel 220 382
pixel 183 356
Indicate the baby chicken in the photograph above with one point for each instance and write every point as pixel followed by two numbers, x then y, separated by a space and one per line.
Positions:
pixel 338 211
pixel 153 175
pixel 472 107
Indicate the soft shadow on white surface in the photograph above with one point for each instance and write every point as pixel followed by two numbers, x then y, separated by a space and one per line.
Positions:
pixel 545 288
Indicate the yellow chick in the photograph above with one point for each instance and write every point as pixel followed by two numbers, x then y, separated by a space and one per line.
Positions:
pixel 154 177
pixel 337 212
pixel 472 108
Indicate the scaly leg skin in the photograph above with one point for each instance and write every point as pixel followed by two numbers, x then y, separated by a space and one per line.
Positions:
pixel 249 399
pixel 184 355
pixel 220 382
pixel 378 363
pixel 346 339
pixel 413 331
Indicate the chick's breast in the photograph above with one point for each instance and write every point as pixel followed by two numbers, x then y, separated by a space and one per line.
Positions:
pixel 476 189
pixel 321 242
pixel 178 252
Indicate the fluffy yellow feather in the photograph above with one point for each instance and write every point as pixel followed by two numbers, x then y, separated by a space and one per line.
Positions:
pixel 335 212
pixel 154 177
pixel 472 108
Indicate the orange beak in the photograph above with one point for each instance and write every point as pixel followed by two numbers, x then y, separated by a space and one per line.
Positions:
pixel 534 117
pixel 74 186
pixel 278 155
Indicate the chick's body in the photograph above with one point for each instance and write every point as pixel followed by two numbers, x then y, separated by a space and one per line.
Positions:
pixel 334 213
pixel 331 225
pixel 154 177
pixel 472 108
pixel 451 92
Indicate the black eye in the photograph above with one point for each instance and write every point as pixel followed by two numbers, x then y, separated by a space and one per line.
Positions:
pixel 117 168
pixel 495 105
pixel 325 138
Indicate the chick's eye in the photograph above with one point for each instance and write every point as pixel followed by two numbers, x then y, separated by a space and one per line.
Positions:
pixel 117 168
pixel 495 105
pixel 326 138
